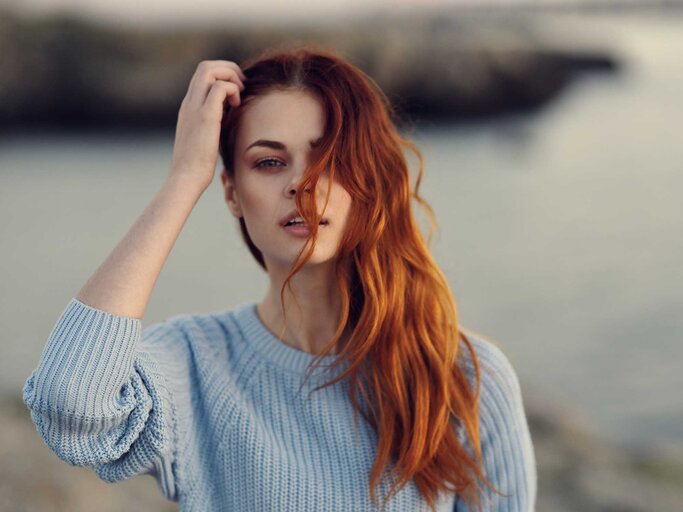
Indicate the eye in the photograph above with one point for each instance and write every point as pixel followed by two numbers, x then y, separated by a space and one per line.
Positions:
pixel 268 162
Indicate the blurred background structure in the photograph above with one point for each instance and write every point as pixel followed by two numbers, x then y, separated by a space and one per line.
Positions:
pixel 551 132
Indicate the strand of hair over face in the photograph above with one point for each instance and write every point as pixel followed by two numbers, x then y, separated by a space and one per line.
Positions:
pixel 402 354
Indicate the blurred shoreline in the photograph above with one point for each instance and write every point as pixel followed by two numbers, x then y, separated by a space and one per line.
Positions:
pixel 577 471
pixel 63 72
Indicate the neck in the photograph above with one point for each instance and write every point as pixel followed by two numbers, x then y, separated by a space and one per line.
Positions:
pixel 312 309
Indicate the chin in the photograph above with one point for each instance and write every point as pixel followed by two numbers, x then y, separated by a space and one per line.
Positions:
pixel 315 260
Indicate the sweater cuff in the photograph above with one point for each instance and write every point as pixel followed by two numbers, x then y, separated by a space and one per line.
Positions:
pixel 86 362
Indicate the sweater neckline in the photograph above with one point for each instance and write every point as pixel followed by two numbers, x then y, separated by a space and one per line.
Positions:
pixel 259 337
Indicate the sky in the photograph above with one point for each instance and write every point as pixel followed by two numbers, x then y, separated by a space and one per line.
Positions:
pixel 165 12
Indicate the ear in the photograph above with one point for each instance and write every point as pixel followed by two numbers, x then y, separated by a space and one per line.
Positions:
pixel 230 193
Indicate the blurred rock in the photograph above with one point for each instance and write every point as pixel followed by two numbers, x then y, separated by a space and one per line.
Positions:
pixel 64 72
pixel 33 478
pixel 580 472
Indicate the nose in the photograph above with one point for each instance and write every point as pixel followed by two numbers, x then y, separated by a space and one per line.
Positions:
pixel 290 189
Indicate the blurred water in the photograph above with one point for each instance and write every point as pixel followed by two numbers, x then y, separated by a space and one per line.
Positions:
pixel 560 235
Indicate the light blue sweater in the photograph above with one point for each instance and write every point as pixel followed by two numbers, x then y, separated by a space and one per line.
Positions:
pixel 209 404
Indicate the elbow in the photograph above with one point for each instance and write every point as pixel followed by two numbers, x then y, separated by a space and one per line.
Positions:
pixel 80 438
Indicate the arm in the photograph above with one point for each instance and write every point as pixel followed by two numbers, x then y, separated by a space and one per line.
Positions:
pixel 100 395
pixel 123 284
pixel 507 449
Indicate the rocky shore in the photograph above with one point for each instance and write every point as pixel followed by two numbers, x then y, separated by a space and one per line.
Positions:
pixel 65 72
pixel 577 472
pixel 580 472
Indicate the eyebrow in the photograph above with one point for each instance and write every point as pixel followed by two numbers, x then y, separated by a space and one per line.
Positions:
pixel 274 144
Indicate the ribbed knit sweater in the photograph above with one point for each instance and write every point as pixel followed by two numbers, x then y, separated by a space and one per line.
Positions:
pixel 210 404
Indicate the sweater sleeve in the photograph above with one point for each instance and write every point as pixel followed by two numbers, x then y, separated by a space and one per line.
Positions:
pixel 99 396
pixel 507 449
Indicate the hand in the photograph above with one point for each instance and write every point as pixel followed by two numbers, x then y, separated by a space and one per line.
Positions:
pixel 195 151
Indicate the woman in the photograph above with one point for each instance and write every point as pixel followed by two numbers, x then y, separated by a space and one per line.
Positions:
pixel 412 412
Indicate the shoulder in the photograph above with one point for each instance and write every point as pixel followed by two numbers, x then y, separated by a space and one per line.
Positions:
pixel 504 432
pixel 213 339
pixel 496 370
pixel 200 334
pixel 500 396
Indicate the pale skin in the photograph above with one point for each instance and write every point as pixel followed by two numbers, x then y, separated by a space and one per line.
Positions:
pixel 123 283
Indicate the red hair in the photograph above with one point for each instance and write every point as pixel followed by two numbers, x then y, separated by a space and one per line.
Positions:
pixel 405 336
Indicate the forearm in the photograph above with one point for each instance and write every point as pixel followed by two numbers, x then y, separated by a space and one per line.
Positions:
pixel 123 283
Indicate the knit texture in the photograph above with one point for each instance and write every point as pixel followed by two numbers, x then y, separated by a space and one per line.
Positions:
pixel 212 406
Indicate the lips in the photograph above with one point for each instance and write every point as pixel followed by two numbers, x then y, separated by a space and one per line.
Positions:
pixel 294 213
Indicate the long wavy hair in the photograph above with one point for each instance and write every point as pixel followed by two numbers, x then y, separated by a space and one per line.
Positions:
pixel 404 327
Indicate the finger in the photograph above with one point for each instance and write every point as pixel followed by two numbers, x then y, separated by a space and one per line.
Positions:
pixel 205 82
pixel 207 73
pixel 236 67
pixel 230 64
pixel 217 95
pixel 219 66
pixel 227 80
pixel 208 64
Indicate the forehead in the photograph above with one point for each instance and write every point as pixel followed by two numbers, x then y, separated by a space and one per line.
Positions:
pixel 290 116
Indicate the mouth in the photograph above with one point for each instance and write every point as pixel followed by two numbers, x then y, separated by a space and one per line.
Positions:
pixel 295 225
pixel 302 224
pixel 294 219
pixel 299 229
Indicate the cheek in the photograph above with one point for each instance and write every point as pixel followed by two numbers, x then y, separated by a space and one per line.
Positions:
pixel 343 201
pixel 260 202
pixel 250 200
pixel 251 191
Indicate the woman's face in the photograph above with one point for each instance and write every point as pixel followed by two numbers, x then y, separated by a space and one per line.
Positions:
pixel 274 144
